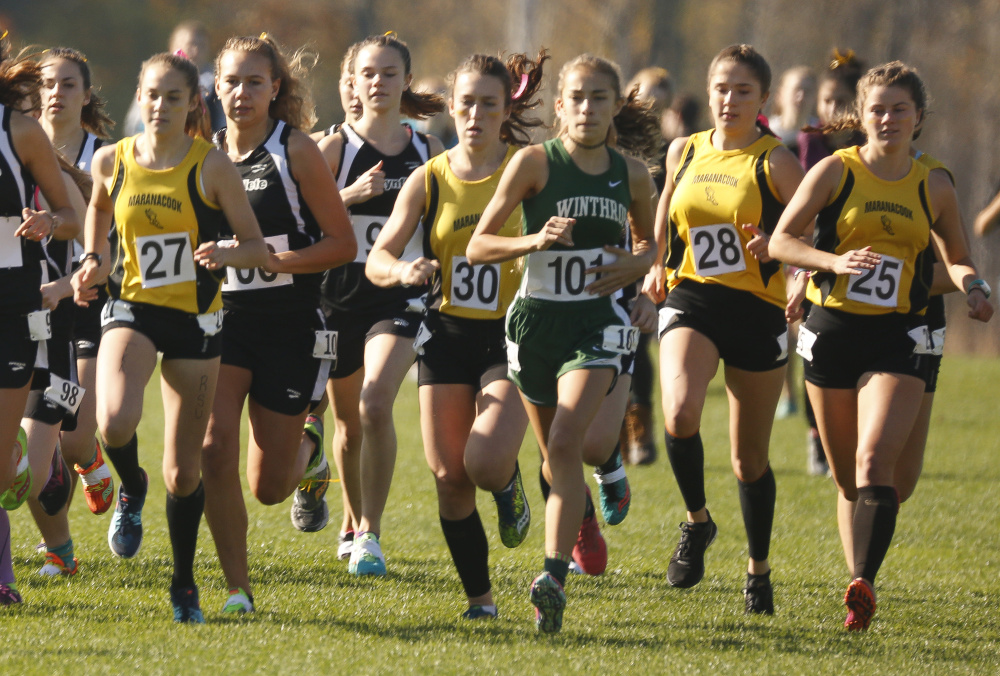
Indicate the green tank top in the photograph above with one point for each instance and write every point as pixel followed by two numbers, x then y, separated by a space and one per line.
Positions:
pixel 600 206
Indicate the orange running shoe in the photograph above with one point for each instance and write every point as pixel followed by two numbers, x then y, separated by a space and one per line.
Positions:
pixel 99 487
pixel 56 566
pixel 860 602
pixel 591 551
pixel 14 497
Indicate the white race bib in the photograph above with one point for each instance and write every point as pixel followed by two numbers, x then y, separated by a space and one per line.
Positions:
pixel 474 286
pixel 165 259
pixel 665 317
pixel 39 325
pixel 926 341
pixel 366 230
pixel 879 286
pixel 513 364
pixel 210 323
pixel 116 311
pixel 326 345
pixel 807 339
pixel 238 279
pixel 423 335
pixel 620 339
pixel 64 393
pixel 561 275
pixel 717 250
pixel 10 246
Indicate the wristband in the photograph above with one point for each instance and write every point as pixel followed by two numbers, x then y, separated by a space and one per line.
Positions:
pixel 981 285
pixel 796 274
pixel 95 256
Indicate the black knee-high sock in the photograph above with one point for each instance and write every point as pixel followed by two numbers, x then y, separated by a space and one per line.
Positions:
pixel 470 551
pixel 687 458
pixel 588 507
pixel 757 503
pixel 126 461
pixel 874 524
pixel 183 518
pixel 642 373
pixel 613 463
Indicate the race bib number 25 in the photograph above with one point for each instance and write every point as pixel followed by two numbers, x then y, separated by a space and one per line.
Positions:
pixel 879 286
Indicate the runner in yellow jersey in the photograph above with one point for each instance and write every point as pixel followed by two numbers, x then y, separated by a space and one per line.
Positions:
pixel 164 193
pixel 865 344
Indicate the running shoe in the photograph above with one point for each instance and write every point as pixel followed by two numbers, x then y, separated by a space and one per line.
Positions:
pixel 14 497
pixel 238 603
pixel 367 558
pixel 758 594
pixel 56 566
pixel 186 607
pixel 9 595
pixel 309 510
pixel 125 532
pixel 55 493
pixel 345 546
pixel 687 565
pixel 549 599
pixel 590 552
pixel 513 513
pixel 616 495
pixel 860 602
pixel 480 613
pixel 99 487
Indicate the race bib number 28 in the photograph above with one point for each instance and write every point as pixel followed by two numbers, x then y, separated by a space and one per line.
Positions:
pixel 165 259
pixel 717 250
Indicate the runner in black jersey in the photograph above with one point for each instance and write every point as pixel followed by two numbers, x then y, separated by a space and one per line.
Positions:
pixel 26 160
pixel 375 327
pixel 72 115
pixel 275 346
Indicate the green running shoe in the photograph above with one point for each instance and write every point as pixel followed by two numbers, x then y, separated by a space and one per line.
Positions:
pixel 367 558
pixel 513 513
pixel 14 497
pixel 238 603
pixel 616 495
pixel 549 599
pixel 309 511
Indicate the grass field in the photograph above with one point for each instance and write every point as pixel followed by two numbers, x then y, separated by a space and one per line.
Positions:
pixel 939 591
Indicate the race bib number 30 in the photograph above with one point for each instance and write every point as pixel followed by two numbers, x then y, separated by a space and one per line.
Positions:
pixel 879 286
pixel 474 286
pixel 717 250
pixel 562 275
pixel 238 279
pixel 10 252
pixel 165 259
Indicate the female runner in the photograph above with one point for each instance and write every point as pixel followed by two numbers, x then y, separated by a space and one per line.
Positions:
pixel 375 327
pixel 565 333
pixel 866 342
pixel 168 192
pixel 274 347
pixel 26 160
pixel 470 414
pixel 727 189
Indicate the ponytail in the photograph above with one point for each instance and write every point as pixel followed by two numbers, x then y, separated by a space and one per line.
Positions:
pixel 20 76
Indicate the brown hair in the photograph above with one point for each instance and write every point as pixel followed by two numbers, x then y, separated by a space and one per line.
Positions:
pixel 294 103
pixel 416 105
pixel 527 73
pixel 92 117
pixel 20 76
pixel 636 128
pixel 892 74
pixel 197 123
pixel 747 56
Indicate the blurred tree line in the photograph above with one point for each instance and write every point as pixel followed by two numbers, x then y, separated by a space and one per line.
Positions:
pixel 954 44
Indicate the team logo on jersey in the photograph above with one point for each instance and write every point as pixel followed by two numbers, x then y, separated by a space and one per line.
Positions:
pixel 410 166
pixel 396 183
pixel 292 394
pixel 16 366
pixel 465 222
pixel 889 207
pixel 153 221
pixel 258 168
pixel 253 184
pixel 887 225
pixel 721 179
pixel 710 195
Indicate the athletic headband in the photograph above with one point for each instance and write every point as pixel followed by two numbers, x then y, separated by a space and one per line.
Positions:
pixel 520 90
pixel 263 36
pixel 841 59
pixel 4 35
pixel 392 34
pixel 181 53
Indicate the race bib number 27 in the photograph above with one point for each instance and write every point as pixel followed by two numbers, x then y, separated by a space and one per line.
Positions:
pixel 165 259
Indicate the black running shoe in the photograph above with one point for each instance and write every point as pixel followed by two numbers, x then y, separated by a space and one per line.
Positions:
pixel 187 610
pixel 687 565
pixel 56 492
pixel 759 595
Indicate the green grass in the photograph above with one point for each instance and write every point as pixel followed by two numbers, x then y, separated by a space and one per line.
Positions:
pixel 939 590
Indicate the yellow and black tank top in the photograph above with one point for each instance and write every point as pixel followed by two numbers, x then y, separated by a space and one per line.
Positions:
pixel 894 218
pixel 715 193
pixel 160 217
pixel 451 213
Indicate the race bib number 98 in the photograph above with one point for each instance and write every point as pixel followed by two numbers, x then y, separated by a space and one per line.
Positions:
pixel 717 250
pixel 165 259
pixel 879 286
pixel 474 286
pixel 64 393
